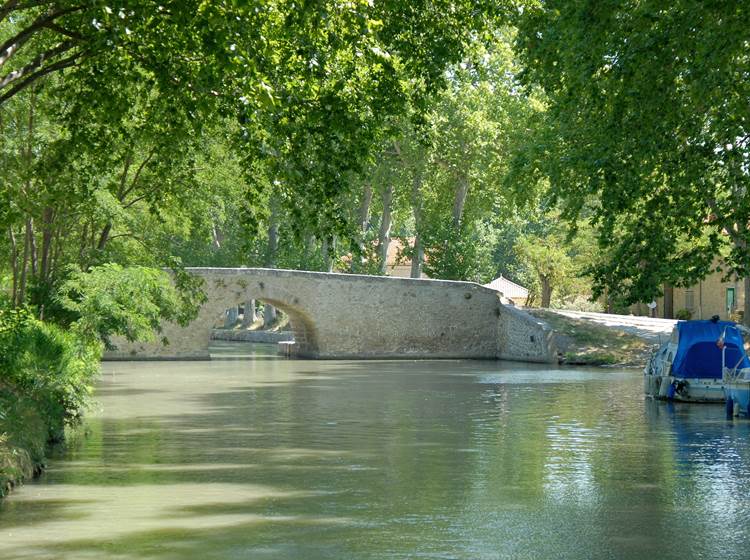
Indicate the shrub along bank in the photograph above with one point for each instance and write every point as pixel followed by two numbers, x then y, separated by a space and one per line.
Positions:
pixel 47 368
pixel 45 380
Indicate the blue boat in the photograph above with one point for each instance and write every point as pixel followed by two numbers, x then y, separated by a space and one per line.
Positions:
pixel 737 385
pixel 697 362
pixel 738 396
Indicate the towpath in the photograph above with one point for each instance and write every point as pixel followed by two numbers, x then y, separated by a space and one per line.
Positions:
pixel 653 330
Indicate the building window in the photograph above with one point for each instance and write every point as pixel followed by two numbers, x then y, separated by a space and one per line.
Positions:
pixel 690 300
pixel 731 302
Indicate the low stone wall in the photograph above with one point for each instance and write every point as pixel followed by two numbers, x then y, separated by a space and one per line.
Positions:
pixel 524 338
pixel 350 316
pixel 244 335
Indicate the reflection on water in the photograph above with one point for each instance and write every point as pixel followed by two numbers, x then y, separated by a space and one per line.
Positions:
pixel 268 458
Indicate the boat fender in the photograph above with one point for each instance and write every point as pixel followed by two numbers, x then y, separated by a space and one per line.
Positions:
pixel 736 408
pixel 671 391
pixel 681 387
pixel 730 408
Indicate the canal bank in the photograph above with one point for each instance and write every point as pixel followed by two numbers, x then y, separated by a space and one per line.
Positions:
pixel 46 375
pixel 598 339
pixel 16 464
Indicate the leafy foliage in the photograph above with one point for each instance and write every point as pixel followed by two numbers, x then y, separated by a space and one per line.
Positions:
pixel 647 133
pixel 128 301
pixel 43 364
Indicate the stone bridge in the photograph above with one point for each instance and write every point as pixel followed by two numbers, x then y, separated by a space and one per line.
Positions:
pixel 361 317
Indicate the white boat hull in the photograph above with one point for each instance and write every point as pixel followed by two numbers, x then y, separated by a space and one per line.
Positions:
pixel 738 390
pixel 667 387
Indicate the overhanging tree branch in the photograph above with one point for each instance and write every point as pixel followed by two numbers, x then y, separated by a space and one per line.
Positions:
pixel 7 8
pixel 138 172
pixel 59 65
pixel 11 46
pixel 13 6
pixel 34 64
pixel 62 31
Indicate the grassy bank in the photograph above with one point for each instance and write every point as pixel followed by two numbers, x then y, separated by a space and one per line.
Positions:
pixel 582 342
pixel 23 439
pixel 45 377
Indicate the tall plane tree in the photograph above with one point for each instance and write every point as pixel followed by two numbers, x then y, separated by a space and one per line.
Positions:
pixel 649 131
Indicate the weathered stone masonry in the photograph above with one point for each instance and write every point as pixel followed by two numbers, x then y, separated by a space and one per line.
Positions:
pixel 355 316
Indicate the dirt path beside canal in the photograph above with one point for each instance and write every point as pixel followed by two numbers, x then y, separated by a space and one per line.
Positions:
pixel 584 338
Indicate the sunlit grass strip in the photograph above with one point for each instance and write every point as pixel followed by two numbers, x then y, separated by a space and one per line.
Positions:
pixel 586 343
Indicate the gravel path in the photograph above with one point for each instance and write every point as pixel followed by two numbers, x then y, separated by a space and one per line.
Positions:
pixel 653 330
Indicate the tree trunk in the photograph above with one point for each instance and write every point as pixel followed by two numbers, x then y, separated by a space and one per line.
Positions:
pixel 269 315
pixel 34 256
pixel 216 236
pixel 364 208
pixel 334 250
pixel 417 258
pixel 531 299
pixel 83 245
pixel 608 305
pixel 60 239
pixel 668 301
pixel 121 194
pixel 104 237
pixel 460 200
pixel 308 252
pixel 29 237
pixel 24 266
pixel 13 267
pixel 546 291
pixel 364 220
pixel 48 218
pixel 328 248
pixel 249 317
pixel 384 235
pixel 269 312
pixel 324 252
pixel 740 242
pixel 273 234
pixel 230 319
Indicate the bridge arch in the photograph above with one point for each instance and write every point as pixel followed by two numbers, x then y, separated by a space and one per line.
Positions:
pixel 301 322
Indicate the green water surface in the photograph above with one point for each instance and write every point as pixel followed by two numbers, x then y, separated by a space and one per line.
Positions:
pixel 268 458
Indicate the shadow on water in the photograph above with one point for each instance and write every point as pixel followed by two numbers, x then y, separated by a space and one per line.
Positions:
pixel 119 390
pixel 265 538
pixel 29 512
pixel 285 459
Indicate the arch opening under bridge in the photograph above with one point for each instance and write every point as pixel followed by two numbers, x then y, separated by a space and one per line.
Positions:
pixel 300 330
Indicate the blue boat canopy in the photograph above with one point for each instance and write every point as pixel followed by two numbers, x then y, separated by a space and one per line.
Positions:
pixel 698 355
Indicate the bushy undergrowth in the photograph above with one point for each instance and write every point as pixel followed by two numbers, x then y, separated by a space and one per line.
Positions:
pixel 47 368
pixel 45 381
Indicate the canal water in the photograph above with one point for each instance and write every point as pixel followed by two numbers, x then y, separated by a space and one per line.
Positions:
pixel 258 457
